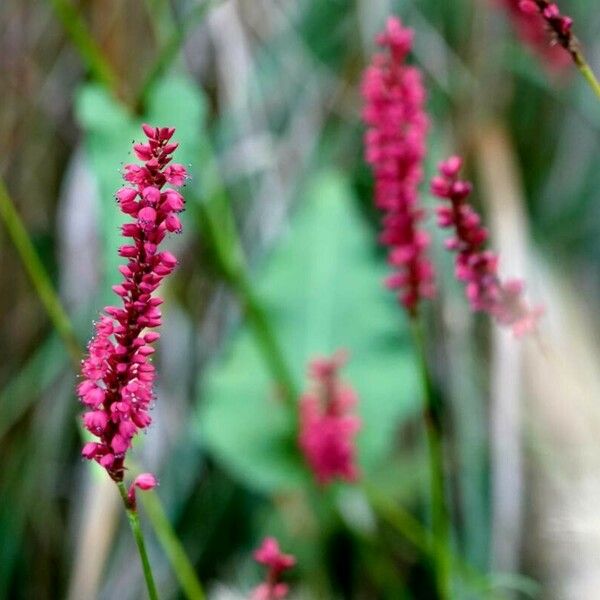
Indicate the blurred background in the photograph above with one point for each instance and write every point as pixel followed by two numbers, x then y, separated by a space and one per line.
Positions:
pixel 279 263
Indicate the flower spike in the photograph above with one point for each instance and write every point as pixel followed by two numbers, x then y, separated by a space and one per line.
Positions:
pixel 476 266
pixel 327 425
pixel 276 562
pixel 395 148
pixel 118 375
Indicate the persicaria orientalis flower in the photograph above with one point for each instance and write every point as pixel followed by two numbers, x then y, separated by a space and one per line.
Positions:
pixel 118 375
pixel 327 425
pixel 276 562
pixel 559 25
pixel 533 31
pixel 395 148
pixel 476 266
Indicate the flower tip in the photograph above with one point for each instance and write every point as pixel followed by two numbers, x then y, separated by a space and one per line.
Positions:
pixel 145 481
pixel 149 131
pixel 451 166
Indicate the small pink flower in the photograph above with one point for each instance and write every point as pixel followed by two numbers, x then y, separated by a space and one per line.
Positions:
pixel 276 562
pixel 395 146
pixel 327 425
pixel 176 174
pixel 476 266
pixel 118 376
pixel 144 481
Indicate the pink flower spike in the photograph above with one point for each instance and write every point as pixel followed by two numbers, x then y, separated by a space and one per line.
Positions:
pixel 327 425
pixel 118 376
pixel 476 266
pixel 395 147
pixel 540 24
pixel 276 562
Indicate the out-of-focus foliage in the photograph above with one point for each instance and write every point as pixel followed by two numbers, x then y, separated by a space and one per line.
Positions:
pixel 322 289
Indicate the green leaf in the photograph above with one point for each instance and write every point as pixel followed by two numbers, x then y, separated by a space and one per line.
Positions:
pixel 323 290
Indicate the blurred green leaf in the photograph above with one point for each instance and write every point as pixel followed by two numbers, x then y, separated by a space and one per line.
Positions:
pixel 22 391
pixel 323 290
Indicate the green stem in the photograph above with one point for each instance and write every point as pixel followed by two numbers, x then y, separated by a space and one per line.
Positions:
pixel 136 529
pixel 414 532
pixel 172 547
pixel 170 50
pixel 38 274
pixel 226 248
pixel 588 74
pixel 265 336
pixel 432 416
pixel 86 46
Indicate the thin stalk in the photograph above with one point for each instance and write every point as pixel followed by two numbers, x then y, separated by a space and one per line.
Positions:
pixel 170 49
pixel 172 546
pixel 590 77
pixel 264 334
pixel 432 416
pixel 414 532
pixel 136 529
pixel 228 256
pixel 38 274
pixel 82 39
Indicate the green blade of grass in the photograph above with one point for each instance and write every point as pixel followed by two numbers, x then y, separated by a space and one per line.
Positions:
pixel 89 51
pixel 38 274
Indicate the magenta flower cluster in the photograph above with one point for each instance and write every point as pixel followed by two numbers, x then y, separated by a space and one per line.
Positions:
pixel 560 25
pixel 118 375
pixel 276 562
pixel 395 148
pixel 529 25
pixel 327 426
pixel 476 266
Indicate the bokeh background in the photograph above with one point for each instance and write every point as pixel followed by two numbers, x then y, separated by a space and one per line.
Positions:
pixel 280 263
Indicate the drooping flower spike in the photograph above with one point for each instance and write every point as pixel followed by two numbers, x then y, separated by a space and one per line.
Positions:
pixel 558 24
pixel 328 426
pixel 531 28
pixel 476 266
pixel 395 145
pixel 118 375
pixel 276 562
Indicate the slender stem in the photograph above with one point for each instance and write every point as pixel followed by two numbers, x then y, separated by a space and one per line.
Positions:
pixel 89 51
pixel 38 274
pixel 415 533
pixel 172 547
pixel 589 76
pixel 136 529
pixel 265 336
pixel 432 416
pixel 229 258
pixel 170 50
